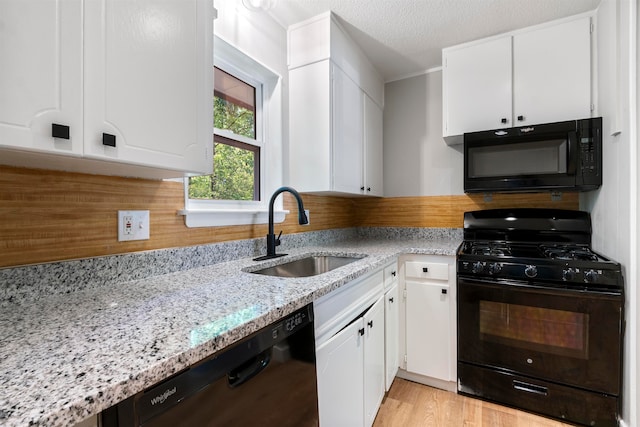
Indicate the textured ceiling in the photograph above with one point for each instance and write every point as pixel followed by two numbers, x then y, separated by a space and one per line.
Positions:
pixel 405 37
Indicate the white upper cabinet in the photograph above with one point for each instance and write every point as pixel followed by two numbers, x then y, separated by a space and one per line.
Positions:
pixel 335 107
pixel 552 73
pixel 146 80
pixel 477 87
pixel 41 75
pixel 131 82
pixel 373 148
pixel 532 76
pixel 347 133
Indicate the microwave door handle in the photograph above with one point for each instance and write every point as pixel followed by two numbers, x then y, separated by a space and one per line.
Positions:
pixel 572 152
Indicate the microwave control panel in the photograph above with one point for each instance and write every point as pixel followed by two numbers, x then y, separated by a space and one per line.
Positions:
pixel 590 151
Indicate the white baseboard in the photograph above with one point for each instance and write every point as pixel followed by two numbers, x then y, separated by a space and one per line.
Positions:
pixel 432 382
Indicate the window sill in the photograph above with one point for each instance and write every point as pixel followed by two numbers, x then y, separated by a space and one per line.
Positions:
pixel 194 218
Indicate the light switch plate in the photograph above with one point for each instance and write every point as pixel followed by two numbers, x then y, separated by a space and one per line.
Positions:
pixel 133 225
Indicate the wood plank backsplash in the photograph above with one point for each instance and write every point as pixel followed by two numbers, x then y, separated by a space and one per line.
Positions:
pixel 51 215
pixel 447 211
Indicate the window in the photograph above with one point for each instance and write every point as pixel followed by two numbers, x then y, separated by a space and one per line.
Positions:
pixel 236 148
pixel 247 145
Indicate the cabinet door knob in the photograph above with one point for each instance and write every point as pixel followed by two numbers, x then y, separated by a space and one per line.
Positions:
pixel 59 131
pixel 368 188
pixel 391 300
pixel 393 273
pixel 503 120
pixel 361 331
pixel 361 188
pixel 444 291
pixel 370 323
pixel 108 140
pixel 425 269
pixel 520 118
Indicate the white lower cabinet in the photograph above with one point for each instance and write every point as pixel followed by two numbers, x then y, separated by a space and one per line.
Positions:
pixel 350 352
pixel 373 355
pixel 340 378
pixel 428 329
pixel 391 324
pixel 428 324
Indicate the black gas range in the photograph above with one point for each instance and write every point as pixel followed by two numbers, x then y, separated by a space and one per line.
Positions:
pixel 549 245
pixel 540 315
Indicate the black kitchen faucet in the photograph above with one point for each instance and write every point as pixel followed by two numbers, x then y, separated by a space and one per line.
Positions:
pixel 272 240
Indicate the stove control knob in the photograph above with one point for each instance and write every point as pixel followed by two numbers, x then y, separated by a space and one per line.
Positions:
pixel 495 268
pixel 569 274
pixel 590 276
pixel 477 267
pixel 531 271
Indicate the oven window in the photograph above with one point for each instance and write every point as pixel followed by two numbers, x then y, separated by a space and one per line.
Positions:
pixel 529 158
pixel 558 332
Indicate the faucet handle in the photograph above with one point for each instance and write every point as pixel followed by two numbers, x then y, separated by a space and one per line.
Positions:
pixel 277 242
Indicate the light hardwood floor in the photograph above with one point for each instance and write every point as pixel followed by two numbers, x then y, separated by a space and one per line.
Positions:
pixel 409 404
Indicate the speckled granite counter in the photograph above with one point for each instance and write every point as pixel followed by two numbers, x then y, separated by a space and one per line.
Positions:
pixel 70 353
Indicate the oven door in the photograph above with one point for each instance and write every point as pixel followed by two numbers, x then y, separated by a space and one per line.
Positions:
pixel 565 336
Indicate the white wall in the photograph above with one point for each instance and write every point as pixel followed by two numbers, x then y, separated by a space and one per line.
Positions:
pixel 254 33
pixel 614 207
pixel 261 38
pixel 417 162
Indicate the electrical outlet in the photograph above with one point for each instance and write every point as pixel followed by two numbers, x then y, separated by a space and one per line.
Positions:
pixel 133 225
pixel 127 225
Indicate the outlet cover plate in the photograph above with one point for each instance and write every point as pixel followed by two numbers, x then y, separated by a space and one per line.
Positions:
pixel 133 225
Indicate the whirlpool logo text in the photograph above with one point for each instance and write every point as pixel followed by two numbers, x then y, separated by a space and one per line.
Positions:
pixel 161 398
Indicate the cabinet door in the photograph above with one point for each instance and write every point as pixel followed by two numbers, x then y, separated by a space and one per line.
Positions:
pixel 374 371
pixel 148 82
pixel 373 166
pixel 428 329
pixel 391 343
pixel 340 377
pixel 552 73
pixel 310 127
pixel 40 75
pixel 477 87
pixel 347 153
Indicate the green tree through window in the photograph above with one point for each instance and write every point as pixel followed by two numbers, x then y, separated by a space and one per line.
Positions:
pixel 236 164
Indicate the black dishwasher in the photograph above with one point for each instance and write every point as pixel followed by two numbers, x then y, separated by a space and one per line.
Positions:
pixel 266 379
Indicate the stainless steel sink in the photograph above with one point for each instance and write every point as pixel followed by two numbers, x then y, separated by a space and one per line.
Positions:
pixel 309 266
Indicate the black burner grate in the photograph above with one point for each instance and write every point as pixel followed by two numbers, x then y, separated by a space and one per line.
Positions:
pixel 569 252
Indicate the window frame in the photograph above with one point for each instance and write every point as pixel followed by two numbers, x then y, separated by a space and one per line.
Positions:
pixel 207 213
pixel 256 149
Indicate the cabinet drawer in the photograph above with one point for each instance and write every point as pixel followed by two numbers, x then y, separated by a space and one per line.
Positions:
pixel 426 270
pixel 390 275
pixel 334 311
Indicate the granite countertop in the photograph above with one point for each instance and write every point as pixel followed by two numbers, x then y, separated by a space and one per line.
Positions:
pixel 65 357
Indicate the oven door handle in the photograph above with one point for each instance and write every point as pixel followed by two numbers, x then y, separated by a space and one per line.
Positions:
pixel 572 152
pixel 530 388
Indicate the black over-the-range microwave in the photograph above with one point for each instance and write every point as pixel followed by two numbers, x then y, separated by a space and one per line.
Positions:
pixel 562 156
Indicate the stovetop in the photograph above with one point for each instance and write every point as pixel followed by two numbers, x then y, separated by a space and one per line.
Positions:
pixel 547 264
pixel 546 246
pixel 550 251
